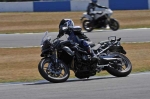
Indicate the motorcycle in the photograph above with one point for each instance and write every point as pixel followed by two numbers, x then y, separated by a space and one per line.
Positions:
pixel 99 19
pixel 60 56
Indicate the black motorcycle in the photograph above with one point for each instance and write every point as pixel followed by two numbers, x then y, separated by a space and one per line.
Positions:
pixel 59 57
pixel 98 20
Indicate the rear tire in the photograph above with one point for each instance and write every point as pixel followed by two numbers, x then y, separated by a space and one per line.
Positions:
pixel 114 24
pixel 87 25
pixel 120 72
pixel 60 74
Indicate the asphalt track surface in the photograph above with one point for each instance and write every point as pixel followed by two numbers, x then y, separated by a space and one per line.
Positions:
pixel 34 39
pixel 135 86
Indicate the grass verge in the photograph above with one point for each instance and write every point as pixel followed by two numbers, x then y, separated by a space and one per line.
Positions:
pixel 49 21
pixel 20 64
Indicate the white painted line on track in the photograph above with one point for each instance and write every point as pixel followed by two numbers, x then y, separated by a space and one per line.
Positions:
pixel 137 42
pixel 82 31
pixel 39 46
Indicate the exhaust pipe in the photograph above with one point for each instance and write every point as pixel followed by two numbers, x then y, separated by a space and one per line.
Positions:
pixel 111 59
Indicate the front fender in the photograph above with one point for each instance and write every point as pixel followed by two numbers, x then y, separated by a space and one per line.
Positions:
pixel 112 19
pixel 68 50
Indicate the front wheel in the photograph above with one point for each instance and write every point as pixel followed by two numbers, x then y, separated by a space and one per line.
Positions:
pixel 53 73
pixel 114 24
pixel 120 68
pixel 87 25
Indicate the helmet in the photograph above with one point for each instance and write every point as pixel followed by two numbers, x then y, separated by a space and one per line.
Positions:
pixel 66 23
pixel 94 1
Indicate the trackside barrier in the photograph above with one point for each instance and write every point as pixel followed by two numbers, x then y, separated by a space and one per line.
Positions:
pixel 129 4
pixel 71 5
pixel 16 6
pixel 51 6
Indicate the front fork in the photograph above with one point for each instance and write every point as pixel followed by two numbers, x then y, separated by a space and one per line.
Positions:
pixel 108 19
pixel 54 58
pixel 55 69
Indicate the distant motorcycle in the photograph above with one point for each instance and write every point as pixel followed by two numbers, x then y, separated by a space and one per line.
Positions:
pixel 99 19
pixel 59 57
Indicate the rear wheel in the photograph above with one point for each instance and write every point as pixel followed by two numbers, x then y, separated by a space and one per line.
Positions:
pixel 120 68
pixel 87 25
pixel 114 24
pixel 54 74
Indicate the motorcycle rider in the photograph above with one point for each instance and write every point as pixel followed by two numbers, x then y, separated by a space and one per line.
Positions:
pixel 66 26
pixel 91 8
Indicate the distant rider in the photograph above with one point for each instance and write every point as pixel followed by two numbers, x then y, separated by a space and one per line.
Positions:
pixel 91 8
pixel 71 30
pixel 92 5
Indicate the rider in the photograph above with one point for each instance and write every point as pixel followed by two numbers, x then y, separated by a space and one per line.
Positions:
pixel 91 8
pixel 66 26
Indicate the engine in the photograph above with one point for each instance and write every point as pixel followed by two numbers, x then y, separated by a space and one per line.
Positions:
pixel 84 67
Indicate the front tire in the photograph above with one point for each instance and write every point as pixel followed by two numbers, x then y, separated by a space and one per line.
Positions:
pixel 122 69
pixel 114 24
pixel 87 25
pixel 51 73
